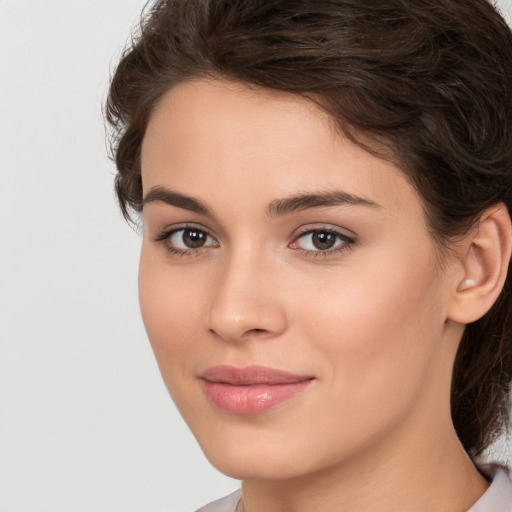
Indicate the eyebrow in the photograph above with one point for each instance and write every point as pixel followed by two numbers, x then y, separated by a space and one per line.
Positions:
pixel 164 195
pixel 276 208
pixel 301 202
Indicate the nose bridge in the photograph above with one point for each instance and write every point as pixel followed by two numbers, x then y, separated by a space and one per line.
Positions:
pixel 244 301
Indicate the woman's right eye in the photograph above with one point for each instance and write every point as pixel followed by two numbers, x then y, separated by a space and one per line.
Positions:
pixel 186 240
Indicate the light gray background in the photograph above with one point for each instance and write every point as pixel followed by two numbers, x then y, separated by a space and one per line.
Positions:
pixel 85 422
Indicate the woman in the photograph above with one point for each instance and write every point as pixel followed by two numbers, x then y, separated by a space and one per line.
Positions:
pixel 325 187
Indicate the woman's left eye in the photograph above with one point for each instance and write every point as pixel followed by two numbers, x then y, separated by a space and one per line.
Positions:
pixel 322 240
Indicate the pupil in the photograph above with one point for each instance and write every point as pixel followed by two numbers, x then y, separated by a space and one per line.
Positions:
pixel 323 240
pixel 194 238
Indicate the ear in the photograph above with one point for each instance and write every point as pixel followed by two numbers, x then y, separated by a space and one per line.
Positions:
pixel 483 264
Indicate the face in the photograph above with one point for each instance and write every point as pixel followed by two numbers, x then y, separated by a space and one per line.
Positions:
pixel 288 284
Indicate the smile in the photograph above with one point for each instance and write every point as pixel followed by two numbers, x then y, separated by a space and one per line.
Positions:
pixel 250 390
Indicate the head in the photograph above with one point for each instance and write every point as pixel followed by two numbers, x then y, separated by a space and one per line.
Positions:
pixel 412 101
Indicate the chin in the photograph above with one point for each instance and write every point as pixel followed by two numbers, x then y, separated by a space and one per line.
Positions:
pixel 254 452
pixel 255 464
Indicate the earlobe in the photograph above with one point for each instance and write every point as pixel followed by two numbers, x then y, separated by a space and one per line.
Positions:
pixel 474 267
pixel 485 260
pixel 467 283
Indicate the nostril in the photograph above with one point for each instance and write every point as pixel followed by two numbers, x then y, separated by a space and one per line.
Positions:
pixel 255 331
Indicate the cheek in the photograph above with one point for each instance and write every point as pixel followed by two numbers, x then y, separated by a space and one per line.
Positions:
pixel 171 311
pixel 379 329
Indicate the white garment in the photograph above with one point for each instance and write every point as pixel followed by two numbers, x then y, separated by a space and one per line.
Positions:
pixel 226 504
pixel 497 498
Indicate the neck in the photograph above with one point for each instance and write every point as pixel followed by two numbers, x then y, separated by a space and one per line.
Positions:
pixel 433 474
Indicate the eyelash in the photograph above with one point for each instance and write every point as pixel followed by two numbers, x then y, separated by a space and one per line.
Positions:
pixel 347 242
pixel 166 235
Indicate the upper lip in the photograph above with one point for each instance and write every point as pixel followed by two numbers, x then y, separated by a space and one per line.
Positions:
pixel 250 375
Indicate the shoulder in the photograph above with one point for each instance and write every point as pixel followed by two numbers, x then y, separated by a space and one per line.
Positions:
pixel 226 504
pixel 498 496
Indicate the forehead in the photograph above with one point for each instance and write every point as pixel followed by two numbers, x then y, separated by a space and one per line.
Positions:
pixel 227 115
pixel 223 139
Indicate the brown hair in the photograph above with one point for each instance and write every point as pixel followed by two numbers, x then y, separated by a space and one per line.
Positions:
pixel 427 81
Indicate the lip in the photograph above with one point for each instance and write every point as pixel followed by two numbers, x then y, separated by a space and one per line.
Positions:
pixel 251 389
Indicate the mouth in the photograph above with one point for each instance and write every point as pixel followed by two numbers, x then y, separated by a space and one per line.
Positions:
pixel 251 389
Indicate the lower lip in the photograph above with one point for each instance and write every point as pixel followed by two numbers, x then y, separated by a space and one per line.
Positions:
pixel 251 399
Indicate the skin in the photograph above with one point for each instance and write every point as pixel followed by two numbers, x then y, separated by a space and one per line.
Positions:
pixel 369 320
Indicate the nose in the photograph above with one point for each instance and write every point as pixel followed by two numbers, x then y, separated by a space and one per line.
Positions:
pixel 245 302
